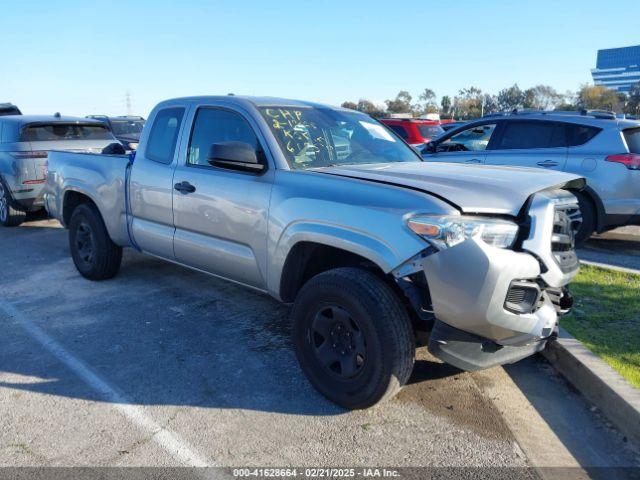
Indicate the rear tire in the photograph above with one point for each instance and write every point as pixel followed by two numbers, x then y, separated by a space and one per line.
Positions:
pixel 94 254
pixel 588 225
pixel 353 337
pixel 9 216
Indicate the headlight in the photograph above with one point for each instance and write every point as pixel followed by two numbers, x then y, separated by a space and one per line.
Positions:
pixel 449 230
pixel 133 145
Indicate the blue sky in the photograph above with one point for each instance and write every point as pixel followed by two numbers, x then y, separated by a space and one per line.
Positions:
pixel 80 57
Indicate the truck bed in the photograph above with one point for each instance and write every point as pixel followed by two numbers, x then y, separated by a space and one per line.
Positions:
pixel 100 178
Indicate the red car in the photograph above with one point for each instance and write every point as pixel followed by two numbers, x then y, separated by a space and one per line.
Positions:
pixel 414 131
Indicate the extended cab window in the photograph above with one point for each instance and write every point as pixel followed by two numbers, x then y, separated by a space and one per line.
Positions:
pixel 214 125
pixel 164 135
pixel 532 135
pixel 472 139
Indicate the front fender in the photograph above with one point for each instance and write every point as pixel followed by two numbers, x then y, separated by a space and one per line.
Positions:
pixel 364 244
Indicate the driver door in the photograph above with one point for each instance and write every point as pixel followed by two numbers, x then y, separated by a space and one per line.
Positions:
pixel 465 146
pixel 220 215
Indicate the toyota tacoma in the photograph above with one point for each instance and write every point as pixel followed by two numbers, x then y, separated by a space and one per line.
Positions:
pixel 327 209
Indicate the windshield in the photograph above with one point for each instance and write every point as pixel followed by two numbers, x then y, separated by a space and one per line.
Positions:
pixel 126 127
pixel 321 137
pixel 430 131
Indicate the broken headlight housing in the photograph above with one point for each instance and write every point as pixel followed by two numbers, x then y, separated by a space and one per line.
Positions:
pixel 444 231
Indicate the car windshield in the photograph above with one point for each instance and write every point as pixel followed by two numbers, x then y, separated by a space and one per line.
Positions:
pixel 126 127
pixel 430 131
pixel 312 137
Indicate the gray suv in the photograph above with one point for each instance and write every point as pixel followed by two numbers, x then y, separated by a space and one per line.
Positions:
pixel 25 142
pixel 596 145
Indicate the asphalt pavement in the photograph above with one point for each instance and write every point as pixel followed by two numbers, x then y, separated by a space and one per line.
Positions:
pixel 165 366
pixel 618 248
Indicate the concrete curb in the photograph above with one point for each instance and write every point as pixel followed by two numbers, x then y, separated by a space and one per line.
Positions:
pixel 618 400
pixel 607 266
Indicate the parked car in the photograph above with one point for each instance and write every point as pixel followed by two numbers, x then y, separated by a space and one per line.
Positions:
pixel 414 131
pixel 370 247
pixel 9 109
pixel 596 145
pixel 25 142
pixel 126 129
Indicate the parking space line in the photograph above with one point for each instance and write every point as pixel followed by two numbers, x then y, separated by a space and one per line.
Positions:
pixel 171 442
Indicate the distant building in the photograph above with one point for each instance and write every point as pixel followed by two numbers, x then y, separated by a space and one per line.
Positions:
pixel 617 68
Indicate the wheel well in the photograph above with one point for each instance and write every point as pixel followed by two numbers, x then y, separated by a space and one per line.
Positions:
pixel 307 259
pixel 71 201
pixel 598 206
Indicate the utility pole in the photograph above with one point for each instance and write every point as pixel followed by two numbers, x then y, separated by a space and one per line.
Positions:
pixel 127 100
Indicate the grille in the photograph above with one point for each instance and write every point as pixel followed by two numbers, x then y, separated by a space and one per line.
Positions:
pixel 522 297
pixel 562 241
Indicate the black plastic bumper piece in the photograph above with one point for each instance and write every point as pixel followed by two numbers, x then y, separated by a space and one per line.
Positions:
pixel 471 352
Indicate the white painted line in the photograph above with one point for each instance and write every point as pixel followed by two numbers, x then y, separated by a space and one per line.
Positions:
pixel 168 440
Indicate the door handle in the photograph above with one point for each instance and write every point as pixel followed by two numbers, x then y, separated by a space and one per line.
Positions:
pixel 184 187
pixel 473 160
pixel 547 163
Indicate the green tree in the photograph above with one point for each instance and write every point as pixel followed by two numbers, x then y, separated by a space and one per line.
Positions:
pixel 489 104
pixel 350 105
pixel 428 105
pixel 468 103
pixel 542 97
pixel 368 107
pixel 529 98
pixel 445 105
pixel 510 98
pixel 632 106
pixel 401 104
pixel 599 98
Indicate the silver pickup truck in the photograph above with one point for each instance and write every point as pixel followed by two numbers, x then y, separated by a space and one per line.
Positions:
pixel 329 210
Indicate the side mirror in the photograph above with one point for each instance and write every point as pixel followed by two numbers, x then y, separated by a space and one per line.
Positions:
pixel 235 156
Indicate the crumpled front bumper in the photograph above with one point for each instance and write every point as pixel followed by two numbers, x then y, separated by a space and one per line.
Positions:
pixel 470 286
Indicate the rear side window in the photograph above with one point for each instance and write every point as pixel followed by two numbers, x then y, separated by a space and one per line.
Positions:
pixel 532 135
pixel 580 134
pixel 632 137
pixel 402 133
pixel 64 131
pixel 164 135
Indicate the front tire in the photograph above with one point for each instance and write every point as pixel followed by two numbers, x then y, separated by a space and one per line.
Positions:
pixel 353 337
pixel 9 216
pixel 94 254
pixel 587 221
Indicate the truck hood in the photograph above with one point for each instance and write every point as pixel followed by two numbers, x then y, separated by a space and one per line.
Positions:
pixel 470 188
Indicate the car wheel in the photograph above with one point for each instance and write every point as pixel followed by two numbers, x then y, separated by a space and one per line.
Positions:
pixel 583 221
pixel 9 216
pixel 94 254
pixel 353 337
